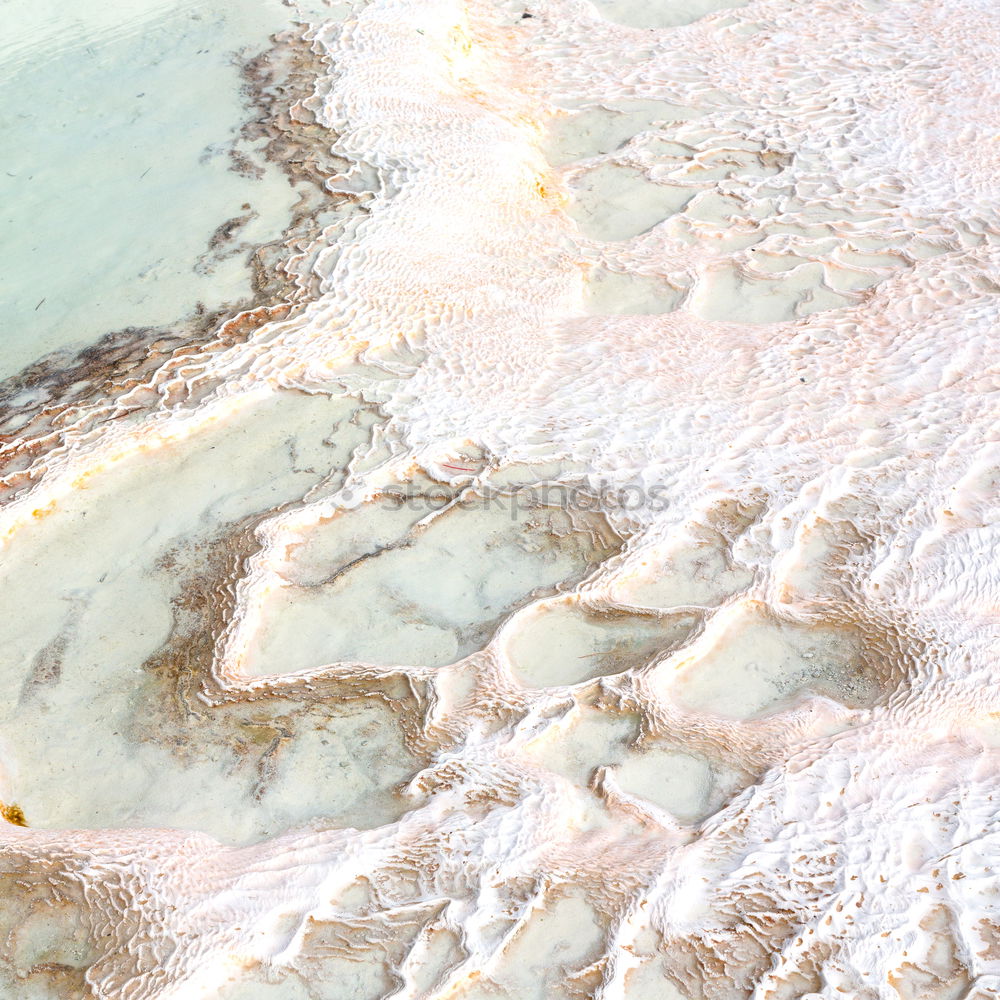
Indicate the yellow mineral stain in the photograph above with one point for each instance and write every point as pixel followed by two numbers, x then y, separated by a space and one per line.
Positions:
pixel 459 39
pixel 39 512
pixel 550 193
pixel 13 814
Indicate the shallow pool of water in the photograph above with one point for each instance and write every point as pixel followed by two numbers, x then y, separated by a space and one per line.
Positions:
pixel 116 119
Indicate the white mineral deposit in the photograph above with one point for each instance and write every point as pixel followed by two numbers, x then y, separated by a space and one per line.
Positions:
pixel 499 500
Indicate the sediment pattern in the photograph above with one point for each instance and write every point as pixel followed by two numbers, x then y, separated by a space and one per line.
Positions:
pixel 738 733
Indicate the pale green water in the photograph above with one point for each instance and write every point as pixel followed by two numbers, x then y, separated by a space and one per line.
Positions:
pixel 114 178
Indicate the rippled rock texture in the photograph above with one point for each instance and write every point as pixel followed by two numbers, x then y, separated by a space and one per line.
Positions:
pixel 580 579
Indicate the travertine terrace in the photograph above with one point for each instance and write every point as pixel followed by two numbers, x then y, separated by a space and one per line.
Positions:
pixel 580 580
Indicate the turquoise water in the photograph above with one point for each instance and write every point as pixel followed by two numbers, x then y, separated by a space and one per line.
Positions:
pixel 115 119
